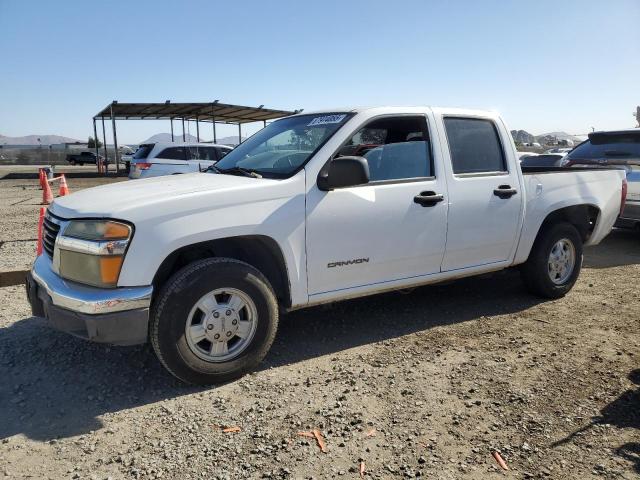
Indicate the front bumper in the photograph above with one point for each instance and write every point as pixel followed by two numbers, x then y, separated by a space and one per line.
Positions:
pixel 119 316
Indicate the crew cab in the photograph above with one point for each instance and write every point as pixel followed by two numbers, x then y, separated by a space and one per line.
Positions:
pixel 314 208
pixel 157 159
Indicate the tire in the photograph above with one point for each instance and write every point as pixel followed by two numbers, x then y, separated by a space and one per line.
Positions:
pixel 179 306
pixel 73 162
pixel 537 271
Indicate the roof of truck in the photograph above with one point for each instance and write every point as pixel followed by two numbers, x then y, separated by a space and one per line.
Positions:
pixel 360 109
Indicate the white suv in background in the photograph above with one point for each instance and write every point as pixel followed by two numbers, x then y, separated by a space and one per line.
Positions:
pixel 156 159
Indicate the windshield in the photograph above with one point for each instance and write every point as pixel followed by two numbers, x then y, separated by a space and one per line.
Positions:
pixel 279 149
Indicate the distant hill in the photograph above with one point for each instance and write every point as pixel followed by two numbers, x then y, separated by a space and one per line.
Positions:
pixel 232 140
pixel 560 136
pixel 522 136
pixel 33 140
pixel 166 138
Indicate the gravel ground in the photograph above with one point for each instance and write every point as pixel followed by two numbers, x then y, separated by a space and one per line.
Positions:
pixel 20 198
pixel 423 385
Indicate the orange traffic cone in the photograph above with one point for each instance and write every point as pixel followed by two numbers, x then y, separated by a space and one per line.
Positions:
pixel 40 223
pixel 64 189
pixel 47 195
pixel 41 176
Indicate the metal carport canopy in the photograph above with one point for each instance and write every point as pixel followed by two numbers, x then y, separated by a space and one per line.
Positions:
pixel 200 111
pixel 214 112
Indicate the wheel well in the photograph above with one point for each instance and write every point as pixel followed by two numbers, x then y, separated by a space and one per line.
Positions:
pixel 583 217
pixel 258 251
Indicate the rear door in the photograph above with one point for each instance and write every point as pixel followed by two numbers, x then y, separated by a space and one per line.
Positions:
pixel 485 201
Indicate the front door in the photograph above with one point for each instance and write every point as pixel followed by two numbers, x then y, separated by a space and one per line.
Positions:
pixel 390 229
pixel 485 201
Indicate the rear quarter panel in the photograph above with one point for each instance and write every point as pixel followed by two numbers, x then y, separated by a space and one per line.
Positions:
pixel 551 191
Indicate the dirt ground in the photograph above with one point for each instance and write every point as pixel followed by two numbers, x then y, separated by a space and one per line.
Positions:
pixel 20 199
pixel 420 385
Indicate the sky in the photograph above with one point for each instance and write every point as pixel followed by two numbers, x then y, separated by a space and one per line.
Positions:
pixel 545 65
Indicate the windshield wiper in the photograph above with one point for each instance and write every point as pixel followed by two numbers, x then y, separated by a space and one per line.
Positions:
pixel 242 171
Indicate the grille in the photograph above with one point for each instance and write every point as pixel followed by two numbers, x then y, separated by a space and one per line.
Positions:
pixel 50 230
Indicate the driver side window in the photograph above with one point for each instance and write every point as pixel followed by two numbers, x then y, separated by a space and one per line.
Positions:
pixel 396 148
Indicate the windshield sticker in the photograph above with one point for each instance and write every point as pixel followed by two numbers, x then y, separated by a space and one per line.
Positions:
pixel 326 120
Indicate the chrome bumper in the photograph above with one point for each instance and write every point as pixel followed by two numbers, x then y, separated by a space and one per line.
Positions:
pixel 84 299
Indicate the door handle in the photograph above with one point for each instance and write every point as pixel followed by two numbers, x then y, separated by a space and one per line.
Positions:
pixel 505 191
pixel 428 199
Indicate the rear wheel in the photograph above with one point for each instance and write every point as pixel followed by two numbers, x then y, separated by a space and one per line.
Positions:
pixel 214 321
pixel 555 261
pixel 72 162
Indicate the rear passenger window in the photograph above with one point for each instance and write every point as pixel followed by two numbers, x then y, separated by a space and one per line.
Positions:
pixel 173 153
pixel 395 147
pixel 474 145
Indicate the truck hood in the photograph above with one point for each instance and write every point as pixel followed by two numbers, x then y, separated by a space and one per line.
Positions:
pixel 124 200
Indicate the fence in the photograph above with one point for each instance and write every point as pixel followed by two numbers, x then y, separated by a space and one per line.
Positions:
pixel 43 155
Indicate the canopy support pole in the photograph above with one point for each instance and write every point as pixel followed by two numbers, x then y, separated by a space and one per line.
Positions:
pixel 171 120
pixel 115 140
pixel 215 139
pixel 184 138
pixel 106 153
pixel 95 139
pixel 239 133
pixel 197 130
pixel 265 123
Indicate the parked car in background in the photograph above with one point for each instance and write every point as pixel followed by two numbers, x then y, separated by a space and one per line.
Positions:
pixel 559 150
pixel 126 154
pixel 523 155
pixel 157 159
pixel 126 159
pixel 200 265
pixel 619 149
pixel 543 160
pixel 82 158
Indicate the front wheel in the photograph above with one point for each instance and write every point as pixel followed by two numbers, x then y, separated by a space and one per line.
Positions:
pixel 555 261
pixel 213 321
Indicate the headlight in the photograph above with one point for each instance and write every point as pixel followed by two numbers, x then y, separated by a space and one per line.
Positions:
pixel 92 251
pixel 98 230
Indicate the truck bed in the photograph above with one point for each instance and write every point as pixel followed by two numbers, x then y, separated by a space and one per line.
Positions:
pixel 530 170
pixel 545 192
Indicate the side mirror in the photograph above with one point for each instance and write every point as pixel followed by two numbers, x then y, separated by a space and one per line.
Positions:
pixel 343 172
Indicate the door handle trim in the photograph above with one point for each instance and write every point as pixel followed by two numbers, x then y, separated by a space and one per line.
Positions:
pixel 428 199
pixel 505 191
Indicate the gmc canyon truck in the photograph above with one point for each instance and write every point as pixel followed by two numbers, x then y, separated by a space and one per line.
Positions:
pixel 312 209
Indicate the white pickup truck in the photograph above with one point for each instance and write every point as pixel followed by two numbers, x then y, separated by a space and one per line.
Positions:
pixel 314 208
